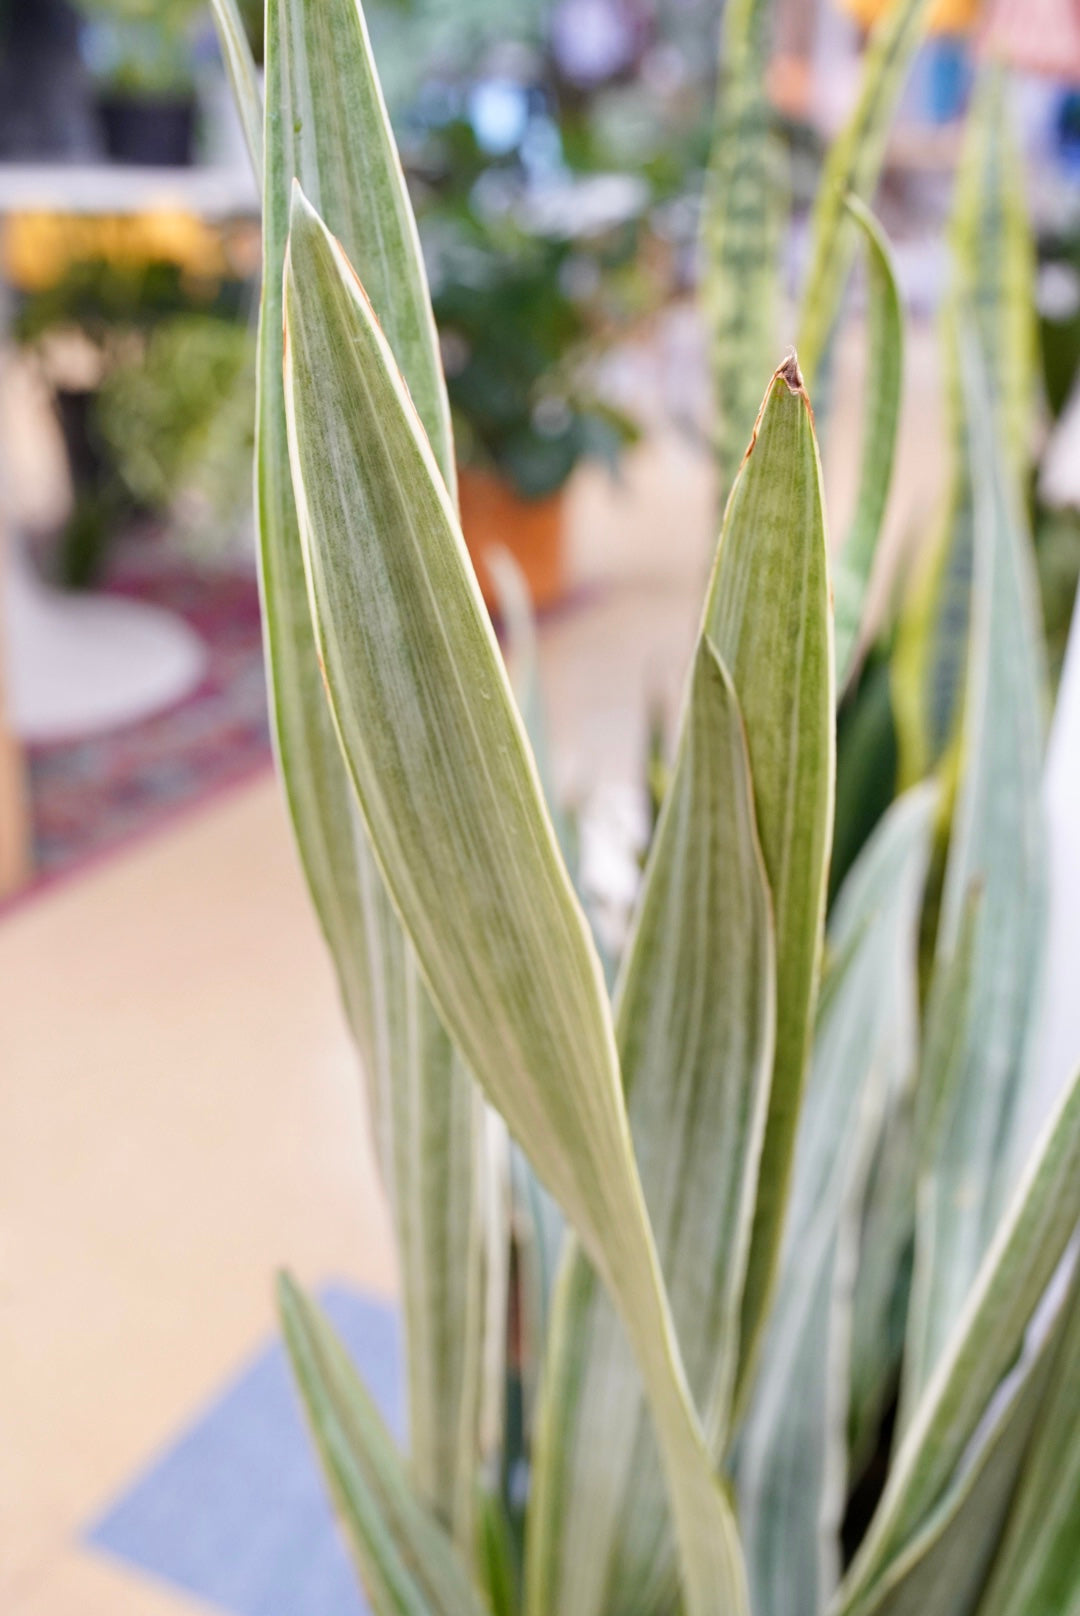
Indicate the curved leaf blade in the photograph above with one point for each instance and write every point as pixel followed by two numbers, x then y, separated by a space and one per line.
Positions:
pixel 1015 1272
pixel 944 1569
pixel 741 230
pixel 791 1459
pixel 326 120
pixel 406 1561
pixel 769 617
pixel 885 330
pixel 998 850
pixel 243 78
pixel 852 168
pixel 449 792
pixel 694 1017
pixel 1037 1571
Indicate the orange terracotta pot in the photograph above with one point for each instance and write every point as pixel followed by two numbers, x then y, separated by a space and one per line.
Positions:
pixel 493 514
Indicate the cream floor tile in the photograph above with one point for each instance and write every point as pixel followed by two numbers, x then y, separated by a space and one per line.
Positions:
pixel 179 1114
pixel 84 1585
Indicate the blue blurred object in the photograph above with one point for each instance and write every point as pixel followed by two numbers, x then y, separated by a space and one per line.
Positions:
pixel 949 74
pixel 235 1513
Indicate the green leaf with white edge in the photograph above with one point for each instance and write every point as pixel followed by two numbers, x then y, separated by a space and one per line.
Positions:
pixel 997 849
pixel 791 1457
pixel 993 280
pixel 695 1012
pixel 450 796
pixel 741 231
pixel 1037 1570
pixel 1030 1241
pixel 428 1110
pixel 243 77
pixel 852 168
pixel 943 1570
pixel 992 283
pixel 326 120
pixel 769 616
pixel 885 368
pixel 406 1560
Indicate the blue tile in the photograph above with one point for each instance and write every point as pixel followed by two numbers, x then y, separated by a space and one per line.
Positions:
pixel 235 1512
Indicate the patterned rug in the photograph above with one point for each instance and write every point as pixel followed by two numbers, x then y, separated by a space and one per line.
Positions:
pixel 90 796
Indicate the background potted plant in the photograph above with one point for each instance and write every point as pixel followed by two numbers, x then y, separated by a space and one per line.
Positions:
pixel 141 53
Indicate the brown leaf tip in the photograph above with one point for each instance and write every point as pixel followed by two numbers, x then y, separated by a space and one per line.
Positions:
pixel 789 372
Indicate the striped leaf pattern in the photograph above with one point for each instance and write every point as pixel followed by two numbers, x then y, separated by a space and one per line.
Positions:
pixel 791 1463
pixel 326 121
pixel 406 1561
pixel 449 792
pixel 1027 1247
pixel 695 1015
pixel 768 614
pixel 852 169
pixel 741 231
pixel 997 851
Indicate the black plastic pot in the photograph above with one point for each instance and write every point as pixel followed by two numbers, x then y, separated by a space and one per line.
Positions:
pixel 153 133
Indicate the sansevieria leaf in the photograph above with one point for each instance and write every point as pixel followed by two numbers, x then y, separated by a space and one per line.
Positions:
pixel 769 617
pixel 852 168
pixel 885 363
pixel 243 76
pixel 791 1467
pixel 741 229
pixel 405 1558
pixel 993 287
pixel 450 796
pixel 694 1019
pixel 944 1568
pixel 998 851
pixel 1015 1272
pixel 325 120
pixel 1037 1570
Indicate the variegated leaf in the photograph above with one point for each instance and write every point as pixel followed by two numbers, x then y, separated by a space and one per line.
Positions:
pixel 741 231
pixel 405 1559
pixel 448 790
pixel 791 1459
pixel 993 284
pixel 694 1017
pixel 998 851
pixel 885 322
pixel 852 168
pixel 1037 1569
pixel 243 77
pixel 943 1570
pixel 1015 1272
pixel 326 121
pixel 769 615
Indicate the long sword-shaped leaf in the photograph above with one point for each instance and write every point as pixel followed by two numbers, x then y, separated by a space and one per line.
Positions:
pixel 943 1570
pixel 741 231
pixel 992 283
pixel 851 169
pixel 1029 1243
pixel 450 795
pixel 694 1019
pixel 885 366
pixel 1037 1572
pixel 407 1562
pixel 791 1464
pixel 769 616
pixel 998 850
pixel 326 121
pixel 240 65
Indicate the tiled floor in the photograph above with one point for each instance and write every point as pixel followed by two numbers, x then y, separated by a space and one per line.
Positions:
pixel 179 1108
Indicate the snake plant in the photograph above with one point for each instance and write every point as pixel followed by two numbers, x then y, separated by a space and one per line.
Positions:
pixel 707 1235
